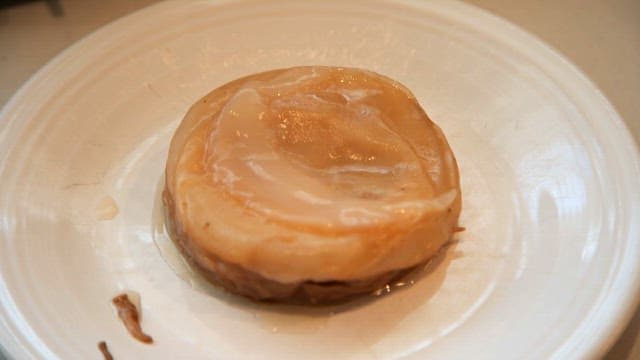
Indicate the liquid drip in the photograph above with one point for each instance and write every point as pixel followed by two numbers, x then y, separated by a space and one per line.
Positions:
pixel 106 208
pixel 170 253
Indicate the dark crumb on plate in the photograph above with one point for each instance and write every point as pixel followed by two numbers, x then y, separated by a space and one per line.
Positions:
pixel 105 350
pixel 128 313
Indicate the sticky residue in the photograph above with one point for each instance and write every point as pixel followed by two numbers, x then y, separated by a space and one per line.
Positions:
pixel 106 208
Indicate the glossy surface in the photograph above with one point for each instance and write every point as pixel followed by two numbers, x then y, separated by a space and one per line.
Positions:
pixel 555 250
pixel 311 173
pixel 325 149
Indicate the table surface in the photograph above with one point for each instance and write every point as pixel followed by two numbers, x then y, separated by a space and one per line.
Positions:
pixel 601 37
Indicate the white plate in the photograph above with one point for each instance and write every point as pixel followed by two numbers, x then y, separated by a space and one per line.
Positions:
pixel 548 266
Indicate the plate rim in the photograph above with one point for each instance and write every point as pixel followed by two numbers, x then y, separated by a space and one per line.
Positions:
pixel 628 296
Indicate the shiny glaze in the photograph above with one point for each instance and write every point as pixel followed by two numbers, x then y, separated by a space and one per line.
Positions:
pixel 327 141
pixel 323 174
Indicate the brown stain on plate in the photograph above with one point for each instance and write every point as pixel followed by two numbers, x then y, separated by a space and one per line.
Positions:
pixel 105 350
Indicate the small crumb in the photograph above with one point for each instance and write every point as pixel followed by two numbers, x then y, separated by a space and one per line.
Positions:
pixel 459 229
pixel 106 209
pixel 105 350
pixel 128 313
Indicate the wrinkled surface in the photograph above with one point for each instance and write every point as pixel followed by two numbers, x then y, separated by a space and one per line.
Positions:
pixel 313 173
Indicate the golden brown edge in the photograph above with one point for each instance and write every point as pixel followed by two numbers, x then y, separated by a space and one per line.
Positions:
pixel 241 281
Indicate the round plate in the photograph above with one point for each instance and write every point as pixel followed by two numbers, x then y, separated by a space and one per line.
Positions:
pixel 548 266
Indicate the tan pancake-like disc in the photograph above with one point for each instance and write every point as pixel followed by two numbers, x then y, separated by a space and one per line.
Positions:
pixel 310 183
